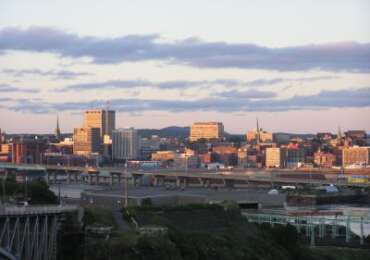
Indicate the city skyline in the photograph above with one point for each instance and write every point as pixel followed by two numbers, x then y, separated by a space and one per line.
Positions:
pixel 183 63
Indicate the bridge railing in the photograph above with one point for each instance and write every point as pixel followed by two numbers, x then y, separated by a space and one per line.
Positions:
pixel 36 210
pixel 317 225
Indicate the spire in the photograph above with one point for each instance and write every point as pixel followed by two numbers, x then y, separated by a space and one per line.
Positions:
pixel 258 132
pixel 57 130
pixel 339 135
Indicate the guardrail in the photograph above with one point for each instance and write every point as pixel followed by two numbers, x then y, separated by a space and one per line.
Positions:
pixel 36 210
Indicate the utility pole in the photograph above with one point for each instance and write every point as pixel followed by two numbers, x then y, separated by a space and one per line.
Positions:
pixel 126 185
pixel 59 197
pixel 3 186
pixel 186 164
pixel 25 188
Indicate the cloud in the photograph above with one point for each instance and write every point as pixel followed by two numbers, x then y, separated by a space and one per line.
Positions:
pixel 349 56
pixel 56 74
pixel 182 84
pixel 257 101
pixel 4 99
pixel 179 84
pixel 111 84
pixel 264 82
pixel 9 88
pixel 249 94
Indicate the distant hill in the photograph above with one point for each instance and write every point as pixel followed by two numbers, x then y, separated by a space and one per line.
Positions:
pixel 176 131
pixel 172 131
pixel 293 135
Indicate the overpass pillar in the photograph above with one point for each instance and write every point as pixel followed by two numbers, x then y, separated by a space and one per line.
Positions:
pixel 348 229
pixel 138 180
pixel 312 235
pixel 68 177
pixel 229 183
pixel 163 181
pixel 111 179
pixel 334 228
pixel 362 231
pixel 178 182
pixel 47 177
pixel 201 182
pixel 155 181
pixel 185 183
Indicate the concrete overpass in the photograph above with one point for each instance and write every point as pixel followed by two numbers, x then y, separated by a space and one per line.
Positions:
pixel 202 177
pixel 230 179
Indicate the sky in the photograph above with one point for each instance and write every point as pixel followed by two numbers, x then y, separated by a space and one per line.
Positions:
pixel 298 66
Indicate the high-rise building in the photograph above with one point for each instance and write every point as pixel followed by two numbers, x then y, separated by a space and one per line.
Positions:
pixel 275 157
pixel 355 156
pixel 105 120
pixel 125 144
pixel 295 154
pixel 206 130
pixel 86 141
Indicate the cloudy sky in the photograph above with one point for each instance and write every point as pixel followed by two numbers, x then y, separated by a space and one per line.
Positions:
pixel 299 66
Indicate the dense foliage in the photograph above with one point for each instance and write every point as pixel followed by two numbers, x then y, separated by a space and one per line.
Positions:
pixel 36 191
pixel 205 232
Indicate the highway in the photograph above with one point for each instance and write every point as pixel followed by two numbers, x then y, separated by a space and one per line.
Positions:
pixel 228 177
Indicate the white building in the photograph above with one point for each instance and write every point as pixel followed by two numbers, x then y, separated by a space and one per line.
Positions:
pixel 125 144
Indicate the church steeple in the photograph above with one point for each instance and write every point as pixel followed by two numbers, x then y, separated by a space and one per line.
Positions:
pixel 258 137
pixel 339 135
pixel 57 130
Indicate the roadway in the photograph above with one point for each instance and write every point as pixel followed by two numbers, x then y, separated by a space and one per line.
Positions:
pixel 281 176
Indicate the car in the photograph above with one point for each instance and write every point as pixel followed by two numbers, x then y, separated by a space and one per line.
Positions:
pixel 288 187
pixel 273 192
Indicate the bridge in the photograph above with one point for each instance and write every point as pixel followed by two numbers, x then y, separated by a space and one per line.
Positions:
pixel 112 175
pixel 30 232
pixel 316 226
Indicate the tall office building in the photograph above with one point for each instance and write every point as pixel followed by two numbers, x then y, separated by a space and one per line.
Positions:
pixel 86 141
pixel 275 157
pixel 206 130
pixel 356 156
pixel 125 143
pixel 105 120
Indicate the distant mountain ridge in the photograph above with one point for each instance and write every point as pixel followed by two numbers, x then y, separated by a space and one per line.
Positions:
pixel 171 131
